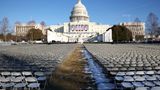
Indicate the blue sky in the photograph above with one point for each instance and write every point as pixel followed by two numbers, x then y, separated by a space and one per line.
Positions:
pixel 58 11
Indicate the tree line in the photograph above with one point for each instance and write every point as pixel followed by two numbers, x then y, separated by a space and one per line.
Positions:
pixel 152 28
pixel 122 34
pixel 8 34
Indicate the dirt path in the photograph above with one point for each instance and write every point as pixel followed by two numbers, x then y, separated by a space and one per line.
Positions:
pixel 70 74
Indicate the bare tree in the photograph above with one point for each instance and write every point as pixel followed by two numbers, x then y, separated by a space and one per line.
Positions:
pixel 152 24
pixel 4 27
pixel 0 27
pixel 17 23
pixel 43 23
pixel 32 22
pixel 137 20
pixel 158 31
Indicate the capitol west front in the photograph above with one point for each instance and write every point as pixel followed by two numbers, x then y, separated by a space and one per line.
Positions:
pixel 79 29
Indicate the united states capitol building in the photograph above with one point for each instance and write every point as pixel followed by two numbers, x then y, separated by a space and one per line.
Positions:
pixel 79 29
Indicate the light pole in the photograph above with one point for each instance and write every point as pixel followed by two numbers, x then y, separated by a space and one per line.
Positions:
pixel 117 35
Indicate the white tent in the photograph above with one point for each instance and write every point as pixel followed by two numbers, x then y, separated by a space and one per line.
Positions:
pixel 107 36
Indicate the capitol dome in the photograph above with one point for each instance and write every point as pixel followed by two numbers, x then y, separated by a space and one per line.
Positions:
pixel 79 13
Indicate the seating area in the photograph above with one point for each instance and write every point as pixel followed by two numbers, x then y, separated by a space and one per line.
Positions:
pixel 29 67
pixel 126 66
pixel 130 66
pixel 23 80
